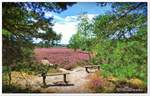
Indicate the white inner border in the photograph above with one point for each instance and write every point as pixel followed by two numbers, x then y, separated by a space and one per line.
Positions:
pixel 95 94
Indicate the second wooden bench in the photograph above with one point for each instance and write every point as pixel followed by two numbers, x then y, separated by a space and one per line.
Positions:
pixel 91 66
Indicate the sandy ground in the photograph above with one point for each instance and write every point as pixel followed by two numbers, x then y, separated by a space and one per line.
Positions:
pixel 78 80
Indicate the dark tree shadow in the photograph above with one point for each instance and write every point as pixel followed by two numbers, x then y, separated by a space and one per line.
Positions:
pixel 59 83
pixel 50 85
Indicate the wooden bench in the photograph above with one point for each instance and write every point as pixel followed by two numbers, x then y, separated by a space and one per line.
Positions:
pixel 54 74
pixel 91 66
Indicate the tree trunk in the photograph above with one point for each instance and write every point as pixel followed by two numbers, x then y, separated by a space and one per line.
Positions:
pixel 9 75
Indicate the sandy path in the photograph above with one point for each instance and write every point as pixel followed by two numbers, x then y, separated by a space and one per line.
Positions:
pixel 77 82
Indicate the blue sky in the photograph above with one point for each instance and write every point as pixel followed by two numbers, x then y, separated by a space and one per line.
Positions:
pixel 66 21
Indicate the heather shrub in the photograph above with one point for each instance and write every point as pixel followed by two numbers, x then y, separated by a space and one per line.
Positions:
pixel 63 57
pixel 100 84
pixel 95 82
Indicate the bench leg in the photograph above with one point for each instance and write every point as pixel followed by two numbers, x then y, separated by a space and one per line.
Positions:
pixel 65 79
pixel 98 67
pixel 44 79
pixel 86 70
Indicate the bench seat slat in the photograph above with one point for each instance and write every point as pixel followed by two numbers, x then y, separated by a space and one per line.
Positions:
pixel 53 74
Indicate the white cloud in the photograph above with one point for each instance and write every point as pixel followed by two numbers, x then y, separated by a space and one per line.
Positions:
pixel 54 15
pixel 66 29
pixel 71 18
pixel 58 18
pixel 67 26
pixel 91 16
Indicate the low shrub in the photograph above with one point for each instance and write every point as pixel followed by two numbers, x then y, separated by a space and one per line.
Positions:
pixel 136 83
pixel 100 84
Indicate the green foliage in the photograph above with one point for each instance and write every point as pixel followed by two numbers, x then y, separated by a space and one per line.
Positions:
pixel 119 39
pixel 22 22
pixel 123 59
pixel 122 42
pixel 6 33
pixel 83 38
pixel 43 68
pixel 50 38
pixel 75 41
